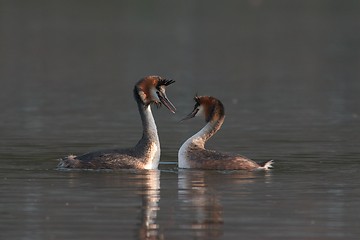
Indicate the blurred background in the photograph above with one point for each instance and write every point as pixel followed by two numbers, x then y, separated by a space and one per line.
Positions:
pixel 285 71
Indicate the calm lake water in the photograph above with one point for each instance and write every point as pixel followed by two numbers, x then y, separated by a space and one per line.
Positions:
pixel 288 73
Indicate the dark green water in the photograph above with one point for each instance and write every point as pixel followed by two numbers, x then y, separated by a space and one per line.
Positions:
pixel 287 72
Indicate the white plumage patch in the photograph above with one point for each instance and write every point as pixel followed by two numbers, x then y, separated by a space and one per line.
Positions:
pixel 201 112
pixel 268 165
pixel 142 96
pixel 182 156
pixel 154 95
pixel 185 148
pixel 154 157
pixel 71 157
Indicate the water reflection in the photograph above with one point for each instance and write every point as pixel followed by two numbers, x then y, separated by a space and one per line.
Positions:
pixel 149 227
pixel 207 210
pixel 203 204
pixel 200 195
pixel 128 198
pixel 67 73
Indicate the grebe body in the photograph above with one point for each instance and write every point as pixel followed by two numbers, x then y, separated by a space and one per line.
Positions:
pixel 192 154
pixel 146 153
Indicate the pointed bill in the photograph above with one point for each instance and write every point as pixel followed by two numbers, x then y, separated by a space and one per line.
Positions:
pixel 164 100
pixel 190 115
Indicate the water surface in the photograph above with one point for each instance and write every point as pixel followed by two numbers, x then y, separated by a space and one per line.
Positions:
pixel 287 73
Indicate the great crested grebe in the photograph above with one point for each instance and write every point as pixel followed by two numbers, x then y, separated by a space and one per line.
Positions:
pixel 146 153
pixel 193 154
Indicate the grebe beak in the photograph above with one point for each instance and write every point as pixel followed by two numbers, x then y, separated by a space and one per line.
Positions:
pixel 164 100
pixel 191 115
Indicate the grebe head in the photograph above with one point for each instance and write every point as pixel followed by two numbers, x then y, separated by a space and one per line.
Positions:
pixel 209 107
pixel 151 89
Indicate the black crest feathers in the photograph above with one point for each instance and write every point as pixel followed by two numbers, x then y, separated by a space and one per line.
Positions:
pixel 165 82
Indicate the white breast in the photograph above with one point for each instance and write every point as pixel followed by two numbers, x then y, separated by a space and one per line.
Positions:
pixel 197 139
pixel 182 155
pixel 154 157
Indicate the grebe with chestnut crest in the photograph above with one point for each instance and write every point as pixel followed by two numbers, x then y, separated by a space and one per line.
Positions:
pixel 192 154
pixel 146 153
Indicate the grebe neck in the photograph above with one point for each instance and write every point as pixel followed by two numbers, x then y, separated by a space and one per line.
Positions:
pixel 200 138
pixel 148 146
pixel 148 123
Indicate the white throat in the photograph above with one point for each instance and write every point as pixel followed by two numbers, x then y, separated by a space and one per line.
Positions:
pixel 151 130
pixel 197 139
pixel 151 125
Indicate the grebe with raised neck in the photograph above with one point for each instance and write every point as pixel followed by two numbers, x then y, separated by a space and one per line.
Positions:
pixel 192 154
pixel 146 153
